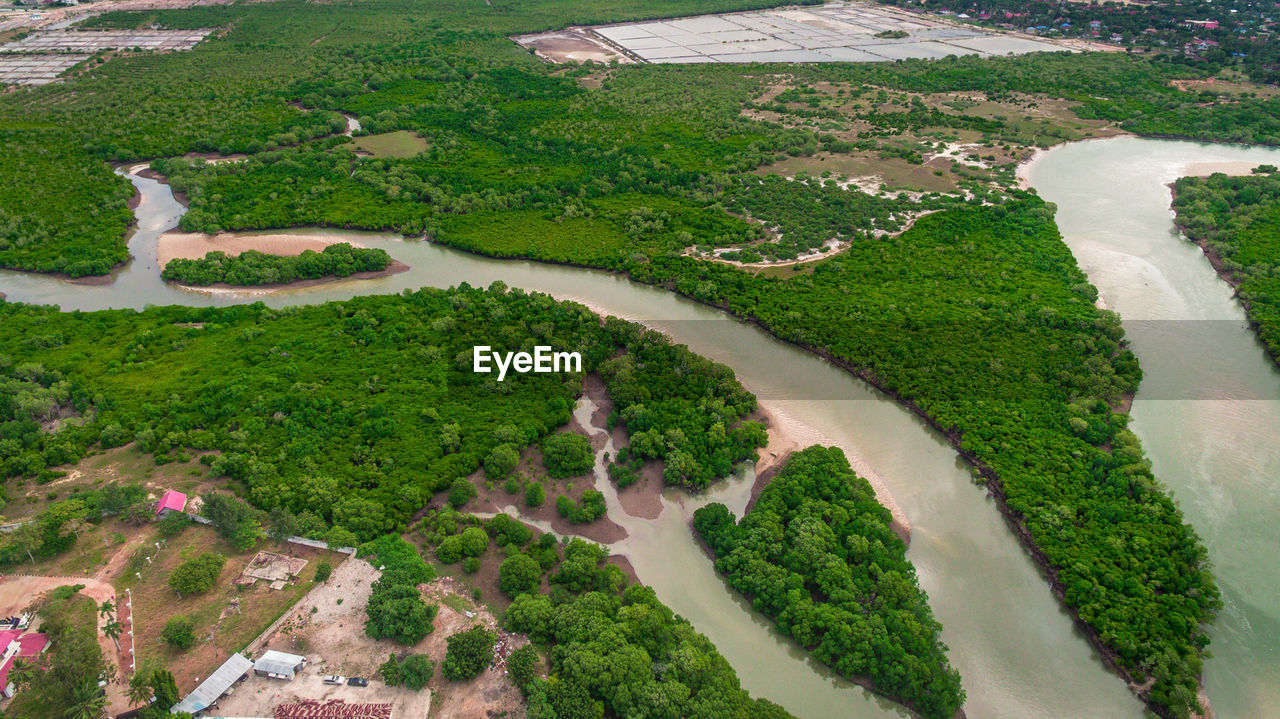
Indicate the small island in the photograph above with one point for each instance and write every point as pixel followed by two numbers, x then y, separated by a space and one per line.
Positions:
pixel 253 268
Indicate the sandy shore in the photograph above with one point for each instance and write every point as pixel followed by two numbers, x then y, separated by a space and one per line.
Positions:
pixel 195 245
pixel 787 435
pixel 1233 168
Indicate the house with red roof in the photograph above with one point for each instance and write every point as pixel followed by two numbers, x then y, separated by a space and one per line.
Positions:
pixel 171 502
pixel 17 645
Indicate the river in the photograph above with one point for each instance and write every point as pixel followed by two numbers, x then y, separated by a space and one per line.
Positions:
pixel 1208 410
pixel 1018 652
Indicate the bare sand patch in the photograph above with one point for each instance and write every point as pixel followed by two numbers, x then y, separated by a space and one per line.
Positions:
pixel 1233 168
pixel 195 245
pixel 787 435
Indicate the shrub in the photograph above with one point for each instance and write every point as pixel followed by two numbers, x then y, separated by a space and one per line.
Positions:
pixel 523 665
pixel 534 495
pixel 567 455
pixel 179 633
pixel 518 574
pixel 468 654
pixel 414 671
pixel 501 461
pixel 196 576
pixel 172 525
pixel 323 571
pixel 460 492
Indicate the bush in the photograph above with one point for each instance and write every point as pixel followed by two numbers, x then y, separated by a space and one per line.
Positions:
pixel 471 565
pixel 501 461
pixel 179 633
pixel 567 455
pixel 518 574
pixel 172 525
pixel 587 510
pixel 323 571
pixel 196 576
pixel 534 495
pixel 460 492
pixel 523 665
pixel 397 612
pixel 468 654
pixel 414 671
pixel 474 541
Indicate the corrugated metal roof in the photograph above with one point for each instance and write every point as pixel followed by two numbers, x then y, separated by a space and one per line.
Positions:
pixel 215 686
pixel 274 662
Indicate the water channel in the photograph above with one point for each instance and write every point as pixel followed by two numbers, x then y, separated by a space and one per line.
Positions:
pixel 1017 650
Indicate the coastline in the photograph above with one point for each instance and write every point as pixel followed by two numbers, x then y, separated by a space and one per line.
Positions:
pixel 1203 170
pixel 788 434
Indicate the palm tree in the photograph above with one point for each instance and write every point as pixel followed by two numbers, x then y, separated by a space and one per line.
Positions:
pixel 113 629
pixel 140 688
pixel 24 672
pixel 106 608
pixel 87 701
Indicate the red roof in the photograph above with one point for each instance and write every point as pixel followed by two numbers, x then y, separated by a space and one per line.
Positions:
pixel 4 672
pixel 171 500
pixel 31 644
pixel 7 636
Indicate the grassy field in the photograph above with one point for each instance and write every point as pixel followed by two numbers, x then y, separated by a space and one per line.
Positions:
pixel 398 144
pixel 220 628
pixel 121 465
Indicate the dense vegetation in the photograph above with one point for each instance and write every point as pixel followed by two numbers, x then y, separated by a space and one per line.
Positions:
pixel 612 650
pixel 305 406
pixel 1237 221
pixel 396 610
pixel 978 316
pixel 981 320
pixel 817 554
pixel 640 162
pixel 256 268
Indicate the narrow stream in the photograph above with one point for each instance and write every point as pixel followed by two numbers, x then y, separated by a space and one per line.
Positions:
pixel 1017 650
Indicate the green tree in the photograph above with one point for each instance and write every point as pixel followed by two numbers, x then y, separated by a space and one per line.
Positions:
pixel 468 654
pixel 501 460
pixel 523 665
pixel 179 633
pixel 518 574
pixel 534 495
pixel 235 521
pixel 397 612
pixel 567 454
pixel 461 492
pixel 197 575
pixel 323 571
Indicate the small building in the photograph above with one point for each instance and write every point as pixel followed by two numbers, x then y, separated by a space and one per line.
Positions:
pixel 17 645
pixel 171 502
pixel 211 689
pixel 279 665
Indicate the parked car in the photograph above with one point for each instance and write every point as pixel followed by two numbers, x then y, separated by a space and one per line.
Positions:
pixel 334 679
pixel 358 682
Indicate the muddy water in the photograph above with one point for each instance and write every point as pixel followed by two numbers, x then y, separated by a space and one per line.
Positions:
pixel 1208 410
pixel 1018 652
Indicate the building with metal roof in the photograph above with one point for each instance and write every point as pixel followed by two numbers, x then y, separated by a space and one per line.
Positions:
pixel 211 689
pixel 279 665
